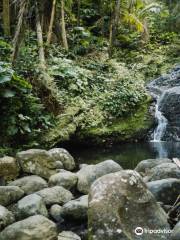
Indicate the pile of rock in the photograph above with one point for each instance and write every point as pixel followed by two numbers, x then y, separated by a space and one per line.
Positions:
pixel 41 195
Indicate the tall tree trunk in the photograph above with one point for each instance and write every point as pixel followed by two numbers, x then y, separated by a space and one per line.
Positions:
pixel 102 16
pixel 19 31
pixel 114 26
pixel 6 17
pixel 63 27
pixel 49 36
pixel 45 81
pixel 78 12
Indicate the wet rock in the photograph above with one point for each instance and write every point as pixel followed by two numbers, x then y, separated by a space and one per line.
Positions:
pixel 31 205
pixel 163 171
pixel 55 195
pixel 38 162
pixel 56 212
pixel 9 168
pixel 30 184
pixel 62 155
pixel 6 217
pixel 33 228
pixel 88 174
pixel 76 209
pixel 67 235
pixel 10 194
pixel 64 178
pixel 165 190
pixel 119 203
pixel 144 166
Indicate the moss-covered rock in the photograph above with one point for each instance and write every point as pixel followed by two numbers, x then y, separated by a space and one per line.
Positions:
pixel 131 128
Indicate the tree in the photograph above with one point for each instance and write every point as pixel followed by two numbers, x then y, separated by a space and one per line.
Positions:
pixel 63 27
pixel 49 35
pixel 6 17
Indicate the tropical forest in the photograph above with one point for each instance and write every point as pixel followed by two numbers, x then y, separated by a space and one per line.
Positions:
pixel 89 120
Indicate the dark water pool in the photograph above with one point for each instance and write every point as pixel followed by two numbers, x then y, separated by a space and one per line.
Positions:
pixel 127 155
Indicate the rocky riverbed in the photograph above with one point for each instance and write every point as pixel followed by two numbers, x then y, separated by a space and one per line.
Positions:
pixel 45 196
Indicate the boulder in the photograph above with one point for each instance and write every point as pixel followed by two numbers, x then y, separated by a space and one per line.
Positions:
pixel 6 217
pixel 30 184
pixel 163 171
pixel 38 162
pixel 10 194
pixel 144 166
pixel 33 228
pixel 56 212
pixel 55 195
pixel 64 178
pixel 88 174
pixel 176 232
pixel 62 155
pixel 119 203
pixel 9 168
pixel 67 235
pixel 165 190
pixel 76 209
pixel 31 205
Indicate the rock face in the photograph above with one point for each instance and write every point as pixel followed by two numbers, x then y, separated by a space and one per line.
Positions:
pixel 176 232
pixel 165 190
pixel 144 166
pixel 6 217
pixel 32 228
pixel 10 194
pixel 121 202
pixel 38 162
pixel 30 184
pixel 64 178
pixel 31 205
pixel 162 171
pixel 76 209
pixel 88 174
pixel 9 168
pixel 62 155
pixel 68 236
pixel 55 195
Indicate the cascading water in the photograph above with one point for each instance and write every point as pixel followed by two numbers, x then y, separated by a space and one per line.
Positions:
pixel 162 123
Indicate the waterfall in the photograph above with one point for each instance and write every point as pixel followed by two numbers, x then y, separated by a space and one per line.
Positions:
pixel 162 123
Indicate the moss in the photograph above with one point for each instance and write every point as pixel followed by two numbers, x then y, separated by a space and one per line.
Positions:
pixel 131 128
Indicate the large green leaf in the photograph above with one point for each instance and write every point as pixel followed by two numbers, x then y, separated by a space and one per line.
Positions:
pixel 5 78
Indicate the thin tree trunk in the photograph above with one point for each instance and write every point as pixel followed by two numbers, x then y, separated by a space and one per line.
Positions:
pixel 6 17
pixel 19 31
pixel 114 26
pixel 78 12
pixel 63 27
pixel 49 36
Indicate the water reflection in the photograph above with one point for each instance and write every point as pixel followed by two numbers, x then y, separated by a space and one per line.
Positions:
pixel 127 155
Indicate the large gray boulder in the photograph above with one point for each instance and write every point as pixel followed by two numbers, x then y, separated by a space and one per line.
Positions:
pixel 55 195
pixel 9 168
pixel 163 171
pixel 10 194
pixel 30 184
pixel 33 228
pixel 31 205
pixel 76 209
pixel 63 156
pixel 165 190
pixel 38 162
pixel 176 232
pixel 144 166
pixel 67 235
pixel 119 203
pixel 88 174
pixel 64 178
pixel 6 217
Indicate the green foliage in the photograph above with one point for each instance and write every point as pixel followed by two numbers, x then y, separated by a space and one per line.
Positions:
pixel 21 113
